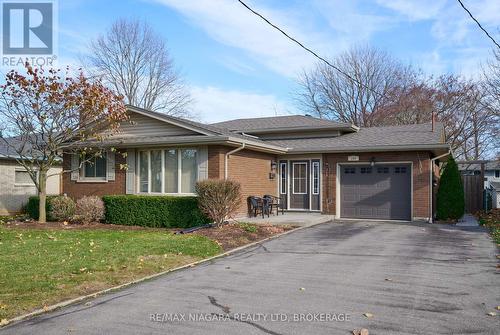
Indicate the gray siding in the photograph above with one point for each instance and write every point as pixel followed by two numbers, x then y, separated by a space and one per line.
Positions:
pixel 140 125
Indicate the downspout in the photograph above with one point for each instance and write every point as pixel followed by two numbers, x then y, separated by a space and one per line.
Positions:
pixel 226 158
pixel 431 193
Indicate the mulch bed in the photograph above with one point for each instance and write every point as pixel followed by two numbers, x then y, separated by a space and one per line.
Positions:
pixel 490 218
pixel 234 235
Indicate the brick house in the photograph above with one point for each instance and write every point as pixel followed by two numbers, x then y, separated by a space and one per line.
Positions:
pixel 312 164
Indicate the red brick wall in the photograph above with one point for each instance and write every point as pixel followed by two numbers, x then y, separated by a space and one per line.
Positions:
pixel 77 190
pixel 421 163
pixel 250 168
pixel 216 161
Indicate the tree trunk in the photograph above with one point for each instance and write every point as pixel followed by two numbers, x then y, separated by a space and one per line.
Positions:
pixel 42 194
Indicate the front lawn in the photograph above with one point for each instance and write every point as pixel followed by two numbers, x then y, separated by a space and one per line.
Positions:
pixel 40 267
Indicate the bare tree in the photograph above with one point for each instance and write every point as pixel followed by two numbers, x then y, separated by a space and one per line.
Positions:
pixel 135 62
pixel 43 113
pixel 458 103
pixel 355 98
pixel 378 90
pixel 491 75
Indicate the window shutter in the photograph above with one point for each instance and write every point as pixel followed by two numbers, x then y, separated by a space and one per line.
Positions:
pixel 75 171
pixel 130 181
pixel 110 159
pixel 202 163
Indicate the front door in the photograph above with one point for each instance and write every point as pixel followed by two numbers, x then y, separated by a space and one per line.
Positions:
pixel 299 184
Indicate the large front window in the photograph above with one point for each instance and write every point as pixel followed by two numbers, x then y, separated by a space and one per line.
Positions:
pixel 168 171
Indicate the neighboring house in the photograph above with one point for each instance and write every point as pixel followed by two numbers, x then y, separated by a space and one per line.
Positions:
pixel 495 193
pixel 491 177
pixel 313 164
pixel 16 185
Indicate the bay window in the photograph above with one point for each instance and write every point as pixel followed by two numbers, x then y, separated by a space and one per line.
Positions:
pixel 168 171
pixel 189 170
pixel 171 171
pixel 144 171
pixel 156 170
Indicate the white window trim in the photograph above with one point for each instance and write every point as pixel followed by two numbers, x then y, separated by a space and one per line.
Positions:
pixel 315 190
pixel 84 179
pixel 293 177
pixel 179 172
pixel 30 184
pixel 283 169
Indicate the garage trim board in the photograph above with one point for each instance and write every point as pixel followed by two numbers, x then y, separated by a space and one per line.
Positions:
pixel 338 185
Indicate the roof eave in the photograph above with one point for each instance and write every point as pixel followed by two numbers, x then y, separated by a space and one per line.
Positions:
pixel 121 143
pixel 437 148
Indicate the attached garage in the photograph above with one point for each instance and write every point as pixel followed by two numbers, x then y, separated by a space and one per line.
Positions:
pixel 376 192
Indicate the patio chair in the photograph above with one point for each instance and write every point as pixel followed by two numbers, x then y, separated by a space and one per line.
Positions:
pixel 257 206
pixel 275 202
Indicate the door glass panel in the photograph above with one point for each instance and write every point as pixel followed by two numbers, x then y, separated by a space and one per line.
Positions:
pixel 171 171
pixel 315 177
pixel 300 178
pixel 283 178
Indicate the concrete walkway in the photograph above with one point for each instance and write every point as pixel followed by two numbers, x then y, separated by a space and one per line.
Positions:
pixel 468 220
pixel 290 218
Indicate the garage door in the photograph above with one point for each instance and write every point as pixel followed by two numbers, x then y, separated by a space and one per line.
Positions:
pixel 378 192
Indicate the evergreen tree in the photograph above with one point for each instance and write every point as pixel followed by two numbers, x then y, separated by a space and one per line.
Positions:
pixel 450 196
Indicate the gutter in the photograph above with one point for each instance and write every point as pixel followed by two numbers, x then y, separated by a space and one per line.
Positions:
pixel 226 158
pixel 347 149
pixel 431 193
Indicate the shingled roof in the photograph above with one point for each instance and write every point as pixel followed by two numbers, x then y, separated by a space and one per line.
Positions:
pixel 408 136
pixel 280 122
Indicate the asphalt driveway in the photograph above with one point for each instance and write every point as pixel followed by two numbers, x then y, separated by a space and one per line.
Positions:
pixel 442 280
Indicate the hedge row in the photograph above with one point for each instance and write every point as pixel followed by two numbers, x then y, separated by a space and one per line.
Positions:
pixel 153 211
pixel 34 203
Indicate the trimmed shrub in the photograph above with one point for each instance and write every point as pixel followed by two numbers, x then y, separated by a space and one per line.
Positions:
pixel 218 199
pixel 62 208
pixel 32 207
pixel 89 209
pixel 153 211
pixel 450 196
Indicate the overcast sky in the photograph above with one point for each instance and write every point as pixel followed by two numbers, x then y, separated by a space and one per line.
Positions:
pixel 237 66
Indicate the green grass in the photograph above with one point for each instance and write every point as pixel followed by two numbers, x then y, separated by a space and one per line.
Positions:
pixel 248 227
pixel 42 267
